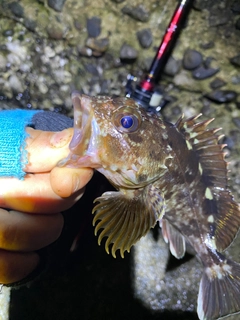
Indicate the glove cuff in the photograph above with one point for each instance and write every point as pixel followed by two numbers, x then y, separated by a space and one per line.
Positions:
pixel 13 155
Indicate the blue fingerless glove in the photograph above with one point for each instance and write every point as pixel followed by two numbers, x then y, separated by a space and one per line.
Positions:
pixel 13 156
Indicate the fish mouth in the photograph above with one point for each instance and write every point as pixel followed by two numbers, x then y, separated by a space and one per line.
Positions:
pixel 83 146
pixel 82 123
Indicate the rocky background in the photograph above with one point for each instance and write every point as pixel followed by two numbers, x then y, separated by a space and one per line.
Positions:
pixel 49 48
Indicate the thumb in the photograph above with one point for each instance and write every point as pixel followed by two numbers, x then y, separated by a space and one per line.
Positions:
pixel 66 181
pixel 46 148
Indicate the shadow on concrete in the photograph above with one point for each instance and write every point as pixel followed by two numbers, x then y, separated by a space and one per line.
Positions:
pixel 88 283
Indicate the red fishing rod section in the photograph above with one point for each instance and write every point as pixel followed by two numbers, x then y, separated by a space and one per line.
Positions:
pixel 144 91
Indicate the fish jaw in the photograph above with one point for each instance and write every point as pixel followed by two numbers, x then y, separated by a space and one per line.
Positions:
pixel 84 144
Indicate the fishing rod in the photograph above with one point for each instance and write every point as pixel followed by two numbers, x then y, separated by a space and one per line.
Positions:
pixel 145 92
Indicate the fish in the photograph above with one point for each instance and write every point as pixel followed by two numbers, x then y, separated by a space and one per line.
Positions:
pixel 175 175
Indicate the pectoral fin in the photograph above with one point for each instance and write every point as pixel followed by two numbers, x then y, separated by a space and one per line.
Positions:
pixel 126 217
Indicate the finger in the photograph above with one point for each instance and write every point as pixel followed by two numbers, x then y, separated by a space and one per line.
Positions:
pixel 15 266
pixel 46 148
pixel 67 181
pixel 34 194
pixel 25 232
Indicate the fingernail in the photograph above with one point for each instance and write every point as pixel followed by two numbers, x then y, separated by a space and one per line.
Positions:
pixel 61 163
pixel 60 139
pixel 75 182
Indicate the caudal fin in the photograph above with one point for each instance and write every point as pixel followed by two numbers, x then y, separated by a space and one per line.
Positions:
pixel 219 292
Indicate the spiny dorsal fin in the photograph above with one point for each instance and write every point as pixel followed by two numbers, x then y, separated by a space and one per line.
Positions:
pixel 205 143
pixel 219 204
pixel 126 218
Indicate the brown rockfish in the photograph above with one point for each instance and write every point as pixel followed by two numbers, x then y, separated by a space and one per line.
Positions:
pixel 172 173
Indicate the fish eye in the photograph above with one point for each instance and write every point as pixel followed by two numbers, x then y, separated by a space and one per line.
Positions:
pixel 126 120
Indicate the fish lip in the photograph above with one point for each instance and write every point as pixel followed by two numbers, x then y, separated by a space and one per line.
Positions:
pixel 82 123
pixel 83 146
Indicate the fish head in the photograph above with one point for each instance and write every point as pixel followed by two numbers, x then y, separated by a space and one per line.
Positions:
pixel 117 137
pixel 130 147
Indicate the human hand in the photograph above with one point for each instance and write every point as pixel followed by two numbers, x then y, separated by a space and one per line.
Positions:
pixel 34 221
